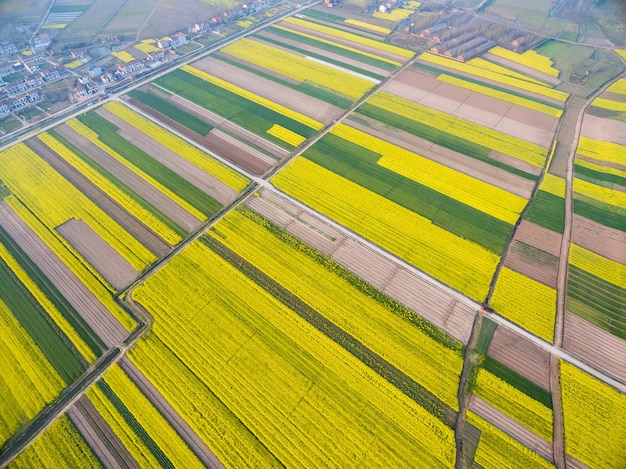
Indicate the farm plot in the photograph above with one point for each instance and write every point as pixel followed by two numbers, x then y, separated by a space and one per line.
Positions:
pixel 60 446
pixel 594 418
pixel 547 209
pixel 147 436
pixel 603 129
pixel 434 305
pixel 357 192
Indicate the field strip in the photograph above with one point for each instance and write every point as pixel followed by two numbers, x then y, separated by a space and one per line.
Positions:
pixel 345 70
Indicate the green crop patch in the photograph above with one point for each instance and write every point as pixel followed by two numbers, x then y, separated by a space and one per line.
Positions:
pixel 547 210
pixel 600 212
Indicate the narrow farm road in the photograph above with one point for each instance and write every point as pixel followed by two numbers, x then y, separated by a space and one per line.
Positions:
pixel 559 323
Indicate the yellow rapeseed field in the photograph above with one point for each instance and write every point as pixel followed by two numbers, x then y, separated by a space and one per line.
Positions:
pixel 54 201
pixel 28 381
pixel 609 104
pixel 497 449
pixel 618 87
pixel 97 179
pixel 89 277
pixel 215 168
pixel 147 46
pixel 594 417
pixel 611 271
pixel 602 151
pixel 521 149
pixel 481 63
pixel 397 14
pixel 460 263
pixel 436 367
pixel 123 56
pixel 342 46
pixel 526 302
pixel 553 185
pixel 92 136
pixel 504 96
pixel 355 38
pixel 371 27
pixel 601 193
pixel 480 195
pixel 286 135
pixel 530 58
pixel 308 400
pixel 601 168
pixel 61 446
pixel 49 307
pixel 297 67
pixel 517 405
pixel 481 70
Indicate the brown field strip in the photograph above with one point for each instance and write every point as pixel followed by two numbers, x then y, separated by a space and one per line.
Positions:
pixel 532 262
pixel 137 184
pixel 107 261
pixel 522 356
pixel 204 181
pixel 540 237
pixel 118 213
pixel 591 235
pixel 511 427
pixel 100 437
pixel 604 129
pixel 595 346
pixel 243 155
pixel 288 97
pixel 528 71
pixel 95 314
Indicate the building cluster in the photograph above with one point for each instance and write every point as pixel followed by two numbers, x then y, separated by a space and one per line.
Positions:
pixel 229 16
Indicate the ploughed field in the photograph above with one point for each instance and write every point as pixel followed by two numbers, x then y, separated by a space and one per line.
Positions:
pixel 315 248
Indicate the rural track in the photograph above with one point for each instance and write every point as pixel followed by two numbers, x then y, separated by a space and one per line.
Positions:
pixel 559 322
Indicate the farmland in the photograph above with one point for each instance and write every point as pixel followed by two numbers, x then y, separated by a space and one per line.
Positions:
pixel 317 244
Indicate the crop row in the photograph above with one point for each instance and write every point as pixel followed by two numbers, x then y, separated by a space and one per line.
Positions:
pixel 608 152
pixel 599 173
pixel 298 68
pixel 529 58
pixel 151 173
pixel 305 398
pixel 600 212
pixel 484 64
pixel 473 192
pixel 422 358
pixel 514 403
pixel 600 193
pixel 368 26
pixel 215 168
pixel 286 135
pixel 618 87
pixel 526 302
pixel 354 38
pixel 497 449
pixel 594 414
pixel 464 265
pixel 500 75
pixel 104 184
pixel 547 210
pixel 521 149
pixel 609 104
pixel 61 447
pixel 502 95
pixel 54 201
pixel 598 265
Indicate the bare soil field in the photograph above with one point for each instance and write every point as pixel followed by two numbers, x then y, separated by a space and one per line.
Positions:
pixel 426 300
pixel 175 162
pixel 177 422
pixel 540 237
pixel 330 55
pixel 345 42
pixel 288 97
pixel 535 268
pixel 595 346
pixel 99 435
pixel 107 261
pixel 600 128
pixel 593 236
pixel 511 427
pixel 243 155
pixel 465 164
pixel 522 356
pixel 140 186
pixel 95 314
pixel 531 72
pixel 131 224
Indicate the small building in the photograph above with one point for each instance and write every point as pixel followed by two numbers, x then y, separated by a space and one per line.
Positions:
pixel 107 77
pixel 94 71
pixel 6 68
pixel 35 80
pixel 164 43
pixel 178 39
pixel 156 56
pixel 129 67
pixel 53 73
pixel 41 42
pixel 23 100
pixel 17 87
pixel 8 48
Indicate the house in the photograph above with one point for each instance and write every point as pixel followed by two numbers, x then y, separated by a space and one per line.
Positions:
pixel 129 67
pixel 41 42
pixel 164 43
pixel 22 100
pixel 107 77
pixel 32 63
pixel 156 56
pixel 178 39
pixel 53 73
pixel 8 48
pixel 4 107
pixel 35 80
pixel 17 87
pixel 6 68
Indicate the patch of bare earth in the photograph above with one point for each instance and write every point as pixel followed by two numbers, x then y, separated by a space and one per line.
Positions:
pixel 95 314
pixel 607 130
pixel 511 427
pixel 137 184
pixel 118 213
pixel 593 236
pixel 540 237
pixel 330 55
pixel 463 163
pixel 288 97
pixel 238 152
pixel 595 346
pixel 426 300
pixel 533 265
pixel 528 71
pixel 99 435
pixel 522 356
pixel 204 181
pixel 107 261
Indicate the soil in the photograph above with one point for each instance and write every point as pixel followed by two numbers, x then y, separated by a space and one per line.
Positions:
pixel 604 129
pixel 593 236
pixel 539 237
